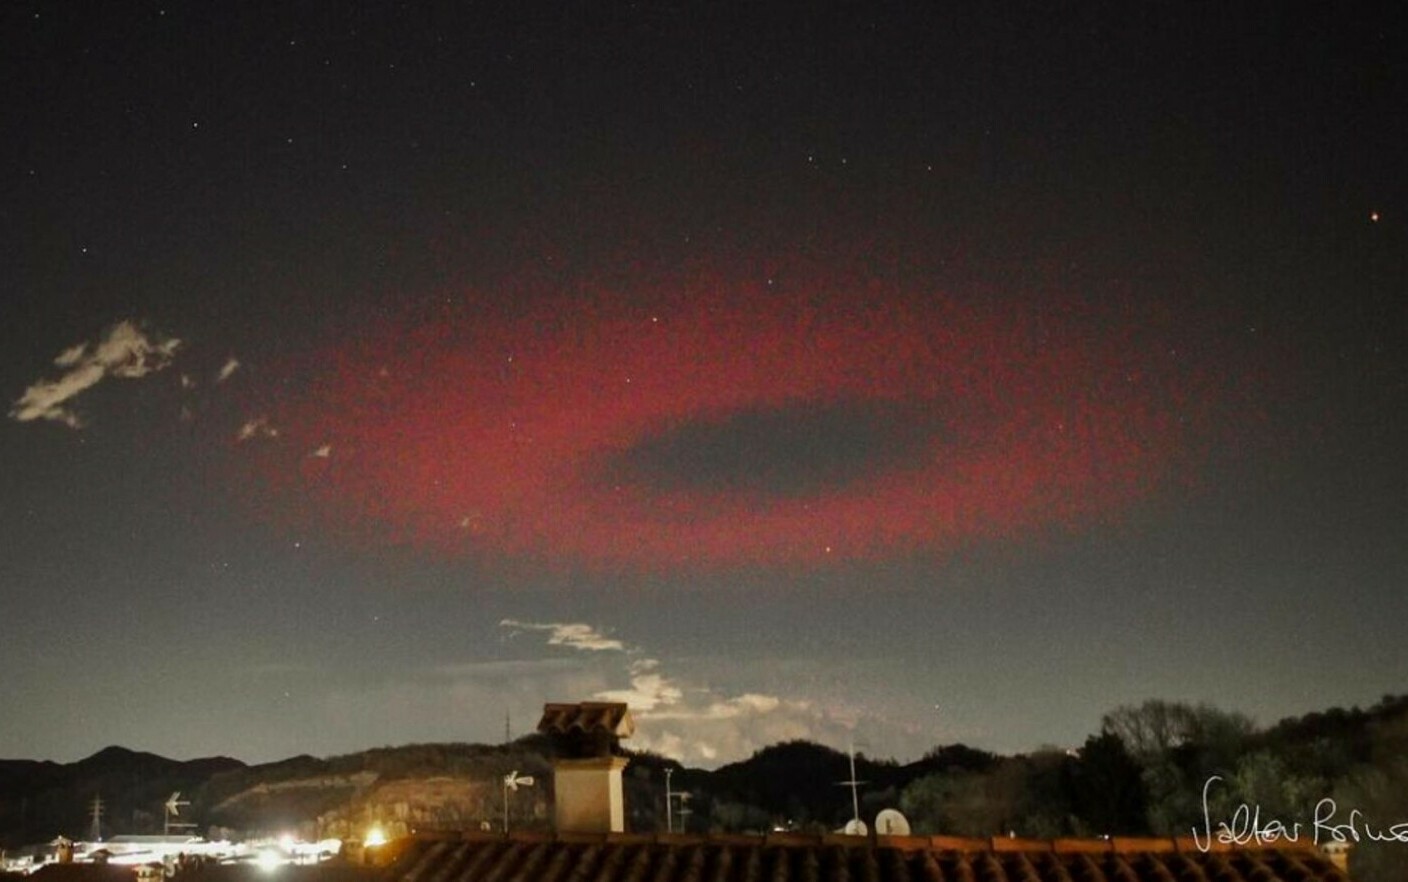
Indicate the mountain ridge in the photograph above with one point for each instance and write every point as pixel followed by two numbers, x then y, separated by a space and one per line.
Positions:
pixel 1102 787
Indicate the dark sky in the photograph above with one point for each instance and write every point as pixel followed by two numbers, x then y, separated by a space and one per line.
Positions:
pixel 897 373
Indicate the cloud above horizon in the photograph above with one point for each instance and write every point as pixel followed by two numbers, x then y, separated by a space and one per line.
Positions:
pixel 694 723
pixel 126 352
pixel 574 635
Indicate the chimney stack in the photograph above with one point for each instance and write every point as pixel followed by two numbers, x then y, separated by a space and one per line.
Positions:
pixel 588 796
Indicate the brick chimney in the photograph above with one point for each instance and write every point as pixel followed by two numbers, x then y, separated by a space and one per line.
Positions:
pixel 588 796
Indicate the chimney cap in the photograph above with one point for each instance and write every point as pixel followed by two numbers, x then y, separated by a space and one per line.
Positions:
pixel 611 718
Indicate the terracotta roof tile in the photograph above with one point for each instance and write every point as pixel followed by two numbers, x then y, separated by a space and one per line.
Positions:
pixel 1134 844
pixel 1011 843
pixel 1070 846
pixel 798 858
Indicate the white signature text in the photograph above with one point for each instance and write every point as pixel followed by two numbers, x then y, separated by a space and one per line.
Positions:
pixel 1246 826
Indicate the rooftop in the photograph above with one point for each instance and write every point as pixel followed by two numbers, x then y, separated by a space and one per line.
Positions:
pixel 609 857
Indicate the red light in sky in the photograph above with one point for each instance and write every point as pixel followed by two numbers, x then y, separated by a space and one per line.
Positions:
pixel 730 424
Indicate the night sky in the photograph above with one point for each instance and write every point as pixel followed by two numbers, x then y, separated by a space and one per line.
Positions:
pixel 901 374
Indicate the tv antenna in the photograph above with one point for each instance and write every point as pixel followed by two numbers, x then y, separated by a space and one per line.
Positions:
pixel 513 781
pixel 855 826
pixel 684 810
pixel 173 809
pixel 670 797
pixel 96 807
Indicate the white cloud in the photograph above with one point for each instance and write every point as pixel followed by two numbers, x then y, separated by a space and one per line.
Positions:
pixel 746 704
pixel 126 352
pixel 648 690
pixel 570 634
pixel 322 452
pixel 696 723
pixel 718 728
pixel 230 366
pixel 256 428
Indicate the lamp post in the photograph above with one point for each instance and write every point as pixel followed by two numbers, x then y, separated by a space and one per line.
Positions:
pixel 669 803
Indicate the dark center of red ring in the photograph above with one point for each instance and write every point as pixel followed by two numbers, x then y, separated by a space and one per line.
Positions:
pixel 791 451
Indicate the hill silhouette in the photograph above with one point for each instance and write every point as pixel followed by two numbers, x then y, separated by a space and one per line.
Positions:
pixel 1102 788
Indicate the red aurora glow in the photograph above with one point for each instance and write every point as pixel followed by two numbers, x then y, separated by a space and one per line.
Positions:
pixel 599 433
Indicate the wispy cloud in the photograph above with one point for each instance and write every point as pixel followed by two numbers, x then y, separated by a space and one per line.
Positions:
pixel 504 668
pixel 574 635
pixel 231 365
pixel 126 352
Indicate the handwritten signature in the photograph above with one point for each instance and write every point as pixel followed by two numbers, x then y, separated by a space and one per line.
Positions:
pixel 1246 826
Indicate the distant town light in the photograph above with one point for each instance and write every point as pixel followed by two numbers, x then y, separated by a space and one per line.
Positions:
pixel 375 837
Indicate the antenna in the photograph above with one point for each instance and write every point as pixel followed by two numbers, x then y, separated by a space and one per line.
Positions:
pixel 669 803
pixel 513 781
pixel 670 797
pixel 173 810
pixel 855 794
pixel 96 834
pixel 685 811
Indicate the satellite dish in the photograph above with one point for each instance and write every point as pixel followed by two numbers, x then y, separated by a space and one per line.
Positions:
pixel 891 823
pixel 855 827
